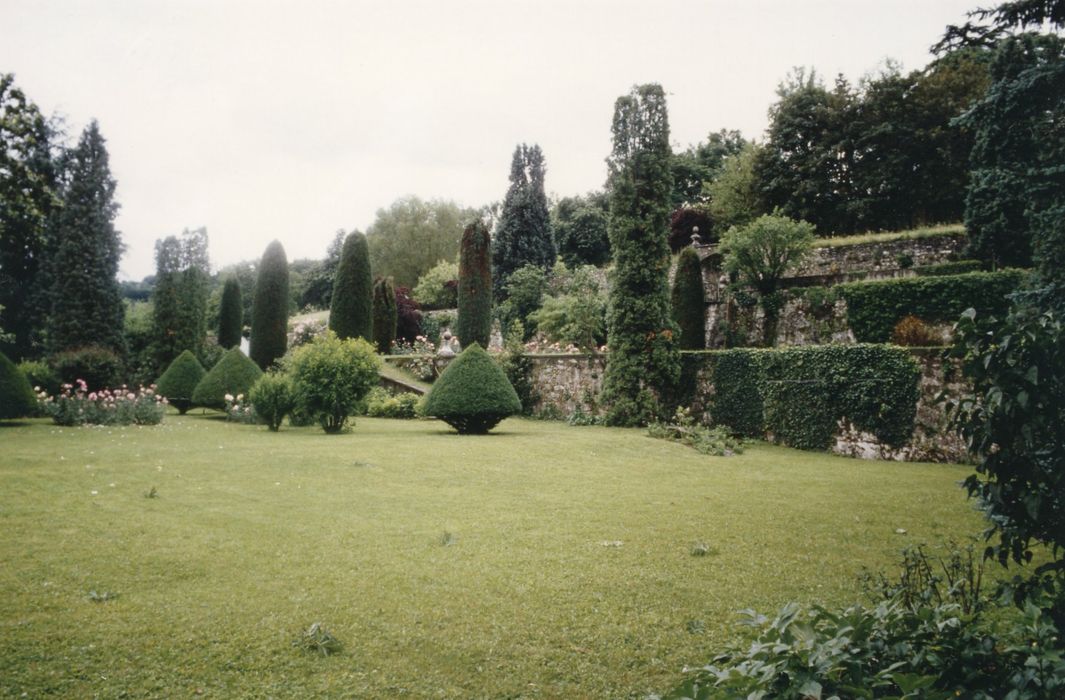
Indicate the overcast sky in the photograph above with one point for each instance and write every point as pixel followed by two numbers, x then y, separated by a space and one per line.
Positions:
pixel 290 120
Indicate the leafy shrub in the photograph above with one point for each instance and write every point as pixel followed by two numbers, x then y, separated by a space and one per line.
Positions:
pixel 76 405
pixel 874 307
pixel 238 410
pixel 956 267
pixel 438 288
pixel 525 290
pixel 234 374
pixel 273 397
pixel 381 404
pixel 472 395
pixel 180 379
pixel 915 333
pixel 517 366
pixel 408 315
pixel 717 441
pixel 100 367
pixel 434 323
pixel 577 314
pixel 41 376
pixel 16 395
pixel 332 376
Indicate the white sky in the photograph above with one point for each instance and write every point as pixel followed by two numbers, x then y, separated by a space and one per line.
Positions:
pixel 290 120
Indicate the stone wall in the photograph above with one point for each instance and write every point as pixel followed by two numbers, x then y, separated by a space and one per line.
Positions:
pixel 568 383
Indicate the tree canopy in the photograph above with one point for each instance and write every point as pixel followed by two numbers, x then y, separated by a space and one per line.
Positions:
pixel 412 235
pixel 523 234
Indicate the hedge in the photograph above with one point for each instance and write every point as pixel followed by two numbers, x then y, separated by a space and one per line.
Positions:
pixel 956 267
pixel 874 307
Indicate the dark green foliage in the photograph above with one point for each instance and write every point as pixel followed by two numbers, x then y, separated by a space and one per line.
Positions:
pixel 230 315
pixel 523 234
pixel 381 404
pixel 27 201
pixel 643 360
pixel 269 320
pixel 41 375
pixel 385 314
pixel 16 395
pixel 472 394
pixel 180 296
pixel 234 374
pixel 273 397
pixel 874 307
pixel 689 308
pixel 518 367
pixel 737 379
pixel 702 163
pixel 86 301
pixel 180 380
pixel 332 377
pixel 318 281
pixel 412 235
pixel 580 226
pixel 351 313
pixel 475 286
pixel 408 316
pixel 958 267
pixel 525 294
pixel 1015 427
pixel 100 367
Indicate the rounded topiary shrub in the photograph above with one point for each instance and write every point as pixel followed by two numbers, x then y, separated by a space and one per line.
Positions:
pixel 472 395
pixel 180 380
pixel 16 394
pixel 273 398
pixel 234 374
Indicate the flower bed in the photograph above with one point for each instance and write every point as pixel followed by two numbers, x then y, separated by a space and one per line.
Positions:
pixel 76 405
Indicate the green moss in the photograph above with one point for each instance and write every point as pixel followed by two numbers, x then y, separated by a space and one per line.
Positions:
pixel 234 374
pixel 180 379
pixel 16 394
pixel 472 395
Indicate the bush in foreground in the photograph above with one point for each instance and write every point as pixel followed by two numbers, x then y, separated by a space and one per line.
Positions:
pixel 234 374
pixel 273 397
pixel 16 394
pixel 472 395
pixel 180 380
pixel 381 404
pixel 332 376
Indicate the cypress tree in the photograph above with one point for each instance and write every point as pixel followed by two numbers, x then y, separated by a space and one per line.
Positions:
pixel 523 236
pixel 86 301
pixel 643 360
pixel 385 314
pixel 231 315
pixel 179 311
pixel 351 311
pixel 689 307
pixel 269 319
pixel 475 286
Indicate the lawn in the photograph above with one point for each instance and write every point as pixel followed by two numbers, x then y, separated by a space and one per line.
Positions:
pixel 569 570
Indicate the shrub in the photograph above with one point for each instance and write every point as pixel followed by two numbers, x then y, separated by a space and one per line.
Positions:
pixel 332 376
pixel 717 441
pixel 76 405
pixel 16 395
pixel 874 307
pixel 351 311
pixel 97 365
pixel 272 397
pixel 689 306
pixel 381 404
pixel 304 332
pixel 240 410
pixel 230 315
pixel 525 290
pixel 472 395
pixel 475 286
pixel 234 374
pixel 438 288
pixel 915 333
pixel 179 381
pixel 269 319
pixel 408 316
pixel 41 376
pixel 385 314
pixel 956 267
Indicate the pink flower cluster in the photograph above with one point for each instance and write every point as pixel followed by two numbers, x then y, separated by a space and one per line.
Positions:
pixel 76 405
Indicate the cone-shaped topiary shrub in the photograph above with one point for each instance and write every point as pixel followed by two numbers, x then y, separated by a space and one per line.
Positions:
pixel 234 374
pixel 472 395
pixel 16 394
pixel 385 314
pixel 689 309
pixel 351 311
pixel 269 313
pixel 179 381
pixel 230 315
pixel 475 285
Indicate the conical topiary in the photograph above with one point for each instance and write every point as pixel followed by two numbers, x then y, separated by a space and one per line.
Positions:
pixel 472 395
pixel 16 394
pixel 234 374
pixel 180 380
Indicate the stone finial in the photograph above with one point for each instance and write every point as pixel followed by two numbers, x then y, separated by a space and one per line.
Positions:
pixel 696 238
pixel 445 349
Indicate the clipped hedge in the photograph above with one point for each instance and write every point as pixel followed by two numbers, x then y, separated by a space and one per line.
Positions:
pixel 956 267
pixel 472 394
pixel 874 307
pixel 234 374
pixel 180 380
pixel 16 395
pixel 799 394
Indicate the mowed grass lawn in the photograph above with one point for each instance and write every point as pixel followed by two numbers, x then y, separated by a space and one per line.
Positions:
pixel 256 535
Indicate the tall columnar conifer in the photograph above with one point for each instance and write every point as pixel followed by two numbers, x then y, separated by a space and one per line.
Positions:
pixel 385 314
pixel 351 312
pixel 269 320
pixel 86 301
pixel 475 286
pixel 179 314
pixel 689 307
pixel 231 315
pixel 643 360
pixel 523 236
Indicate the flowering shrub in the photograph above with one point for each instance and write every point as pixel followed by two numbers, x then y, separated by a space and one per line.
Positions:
pixel 76 405
pixel 239 410
pixel 304 332
pixel 422 352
